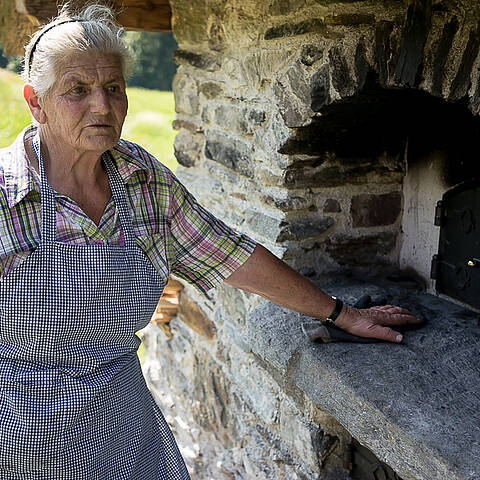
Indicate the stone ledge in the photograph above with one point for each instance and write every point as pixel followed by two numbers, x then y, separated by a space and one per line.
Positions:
pixel 414 405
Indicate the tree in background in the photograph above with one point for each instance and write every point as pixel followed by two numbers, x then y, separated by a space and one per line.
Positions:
pixel 3 60
pixel 14 64
pixel 154 66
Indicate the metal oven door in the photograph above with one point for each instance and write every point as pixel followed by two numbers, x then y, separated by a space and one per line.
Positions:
pixel 456 268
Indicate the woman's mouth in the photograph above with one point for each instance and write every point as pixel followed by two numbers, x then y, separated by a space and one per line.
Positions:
pixel 99 126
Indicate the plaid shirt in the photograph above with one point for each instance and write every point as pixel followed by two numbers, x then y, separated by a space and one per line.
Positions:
pixel 176 234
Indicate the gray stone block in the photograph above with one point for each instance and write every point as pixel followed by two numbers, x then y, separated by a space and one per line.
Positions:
pixel 375 210
pixel 320 88
pixel 291 108
pixel 187 148
pixel 242 120
pixel 331 206
pixel 265 225
pixel 232 153
pixel 203 61
pixel 371 248
pixel 186 94
pixel 301 229
pixel 269 332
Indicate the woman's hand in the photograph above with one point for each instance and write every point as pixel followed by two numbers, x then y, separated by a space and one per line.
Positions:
pixel 375 322
pixel 266 275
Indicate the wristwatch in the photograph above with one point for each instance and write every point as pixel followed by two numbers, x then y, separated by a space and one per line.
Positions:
pixel 330 320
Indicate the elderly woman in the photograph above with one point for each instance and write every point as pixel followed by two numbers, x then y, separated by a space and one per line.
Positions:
pixel 91 226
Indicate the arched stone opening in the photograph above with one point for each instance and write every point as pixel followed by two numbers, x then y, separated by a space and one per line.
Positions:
pixel 393 153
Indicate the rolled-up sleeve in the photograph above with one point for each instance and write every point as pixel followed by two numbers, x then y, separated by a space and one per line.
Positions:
pixel 204 250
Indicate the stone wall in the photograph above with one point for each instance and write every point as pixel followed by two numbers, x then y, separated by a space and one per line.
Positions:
pixel 273 103
pixel 295 119
pixel 231 417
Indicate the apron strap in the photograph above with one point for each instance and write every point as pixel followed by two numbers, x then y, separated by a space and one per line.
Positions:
pixel 47 197
pixel 49 224
pixel 119 194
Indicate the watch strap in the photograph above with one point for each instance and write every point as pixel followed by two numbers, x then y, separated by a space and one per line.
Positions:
pixel 330 320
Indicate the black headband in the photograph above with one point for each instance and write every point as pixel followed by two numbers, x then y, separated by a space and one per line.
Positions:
pixel 40 36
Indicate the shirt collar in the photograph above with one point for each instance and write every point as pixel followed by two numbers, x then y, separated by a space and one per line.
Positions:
pixel 128 162
pixel 21 178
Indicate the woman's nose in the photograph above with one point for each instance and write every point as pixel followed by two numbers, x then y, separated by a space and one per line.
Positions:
pixel 100 102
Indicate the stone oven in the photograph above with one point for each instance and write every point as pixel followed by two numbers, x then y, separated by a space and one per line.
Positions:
pixel 330 131
pixel 343 135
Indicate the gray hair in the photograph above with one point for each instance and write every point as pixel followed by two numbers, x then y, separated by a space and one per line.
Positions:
pixel 93 29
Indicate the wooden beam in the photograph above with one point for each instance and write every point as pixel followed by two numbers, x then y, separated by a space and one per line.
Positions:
pixel 146 16
pixel 139 15
pixel 40 9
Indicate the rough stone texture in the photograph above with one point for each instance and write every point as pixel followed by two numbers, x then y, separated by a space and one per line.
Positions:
pixel 320 88
pixel 192 315
pixel 186 95
pixel 187 147
pixel 374 210
pixel 190 126
pixel 262 403
pixel 310 54
pixel 426 427
pixel 242 424
pixel 210 90
pixel 332 206
pixel 316 25
pixel 305 228
pixel 337 173
pixel 201 61
pixel 364 251
pixel 243 121
pixel 234 154
pixel 298 122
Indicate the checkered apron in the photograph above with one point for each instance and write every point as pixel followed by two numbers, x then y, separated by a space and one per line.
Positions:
pixel 73 400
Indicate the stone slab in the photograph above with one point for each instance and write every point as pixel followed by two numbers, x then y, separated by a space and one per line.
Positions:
pixel 415 405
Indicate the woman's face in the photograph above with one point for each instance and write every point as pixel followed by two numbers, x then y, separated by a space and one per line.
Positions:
pixel 86 107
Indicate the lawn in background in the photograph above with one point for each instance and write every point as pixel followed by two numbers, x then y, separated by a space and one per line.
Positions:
pixel 148 123
pixel 14 113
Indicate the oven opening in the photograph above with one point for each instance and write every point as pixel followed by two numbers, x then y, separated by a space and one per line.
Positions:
pixel 397 152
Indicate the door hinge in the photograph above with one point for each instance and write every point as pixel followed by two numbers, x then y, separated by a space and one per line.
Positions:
pixel 434 267
pixel 439 210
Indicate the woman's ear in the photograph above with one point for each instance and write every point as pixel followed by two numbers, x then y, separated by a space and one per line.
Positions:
pixel 34 104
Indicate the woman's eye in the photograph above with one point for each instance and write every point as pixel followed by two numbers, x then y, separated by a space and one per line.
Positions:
pixel 78 90
pixel 113 88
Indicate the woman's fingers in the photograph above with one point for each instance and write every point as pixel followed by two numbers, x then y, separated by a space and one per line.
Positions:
pixel 392 309
pixel 375 322
pixel 390 315
pixel 384 333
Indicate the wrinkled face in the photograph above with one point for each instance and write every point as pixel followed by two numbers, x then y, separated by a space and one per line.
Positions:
pixel 85 108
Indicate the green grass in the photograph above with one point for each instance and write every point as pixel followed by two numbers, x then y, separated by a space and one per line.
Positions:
pixel 14 113
pixel 148 123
